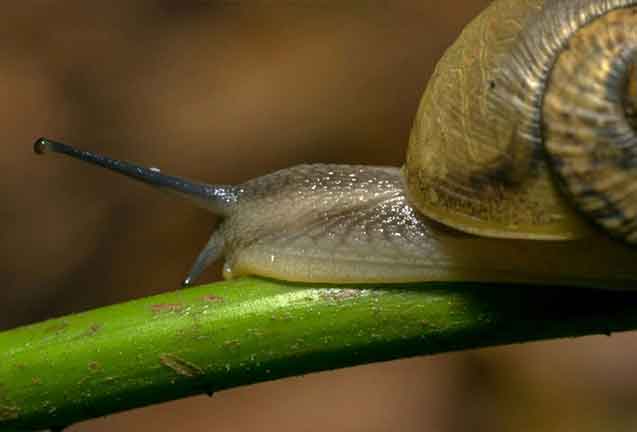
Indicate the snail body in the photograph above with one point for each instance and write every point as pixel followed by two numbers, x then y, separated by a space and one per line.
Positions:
pixel 512 161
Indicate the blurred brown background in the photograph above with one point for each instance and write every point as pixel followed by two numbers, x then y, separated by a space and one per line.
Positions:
pixel 224 91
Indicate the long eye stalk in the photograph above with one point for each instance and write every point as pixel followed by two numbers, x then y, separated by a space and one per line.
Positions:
pixel 217 198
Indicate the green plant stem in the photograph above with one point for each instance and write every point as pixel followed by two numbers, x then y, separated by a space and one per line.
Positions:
pixel 228 334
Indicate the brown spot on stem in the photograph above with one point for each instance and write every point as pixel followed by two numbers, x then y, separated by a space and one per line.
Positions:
pixel 212 298
pixel 8 412
pixel 94 366
pixel 166 307
pixel 36 380
pixel 57 327
pixel 93 329
pixel 234 343
pixel 180 366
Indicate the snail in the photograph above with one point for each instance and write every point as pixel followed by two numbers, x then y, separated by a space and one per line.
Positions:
pixel 521 167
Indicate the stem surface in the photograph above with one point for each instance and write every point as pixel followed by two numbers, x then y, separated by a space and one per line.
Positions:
pixel 244 331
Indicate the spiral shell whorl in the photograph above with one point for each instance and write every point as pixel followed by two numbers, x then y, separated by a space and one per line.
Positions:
pixel 524 74
pixel 470 163
pixel 478 159
pixel 586 131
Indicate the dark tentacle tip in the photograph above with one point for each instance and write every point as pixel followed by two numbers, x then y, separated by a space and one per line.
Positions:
pixel 41 145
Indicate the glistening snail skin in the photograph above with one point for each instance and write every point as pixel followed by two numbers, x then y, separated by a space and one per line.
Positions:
pixel 491 147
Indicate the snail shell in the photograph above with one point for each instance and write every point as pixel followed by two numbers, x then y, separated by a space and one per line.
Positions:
pixel 532 104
